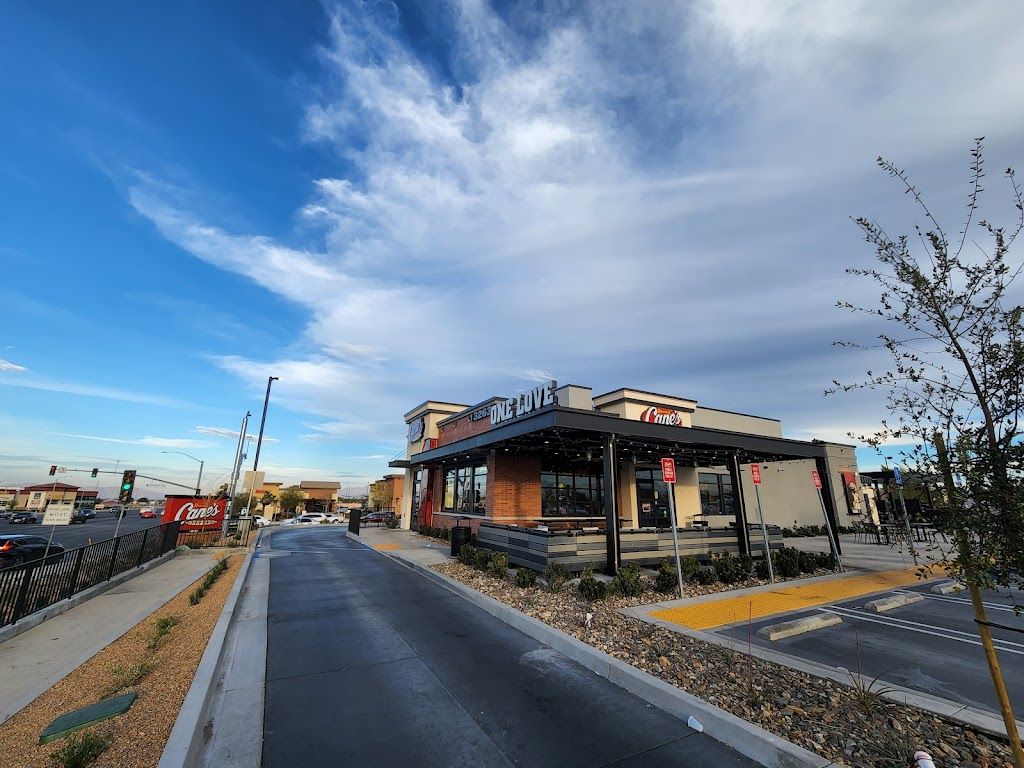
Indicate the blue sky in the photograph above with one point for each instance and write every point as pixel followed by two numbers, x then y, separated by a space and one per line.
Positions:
pixel 383 203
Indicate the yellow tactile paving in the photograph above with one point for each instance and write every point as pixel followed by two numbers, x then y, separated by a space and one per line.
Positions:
pixel 717 613
pixel 387 546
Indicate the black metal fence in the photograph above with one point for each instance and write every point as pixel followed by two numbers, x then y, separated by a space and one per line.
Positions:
pixel 33 586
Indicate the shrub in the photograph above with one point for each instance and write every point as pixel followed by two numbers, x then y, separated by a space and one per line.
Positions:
pixel 628 582
pixel 761 567
pixel 207 582
pixel 705 576
pixel 808 562
pixel 827 560
pixel 422 530
pixel 162 627
pixel 747 565
pixel 590 588
pixel 391 523
pixel 689 565
pixel 498 566
pixel 786 562
pixel 467 555
pixel 556 575
pixel 727 568
pixel 666 580
pixel 483 559
pixel 526 577
pixel 80 749
pixel 446 534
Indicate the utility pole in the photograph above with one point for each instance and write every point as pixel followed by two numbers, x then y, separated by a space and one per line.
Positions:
pixel 259 442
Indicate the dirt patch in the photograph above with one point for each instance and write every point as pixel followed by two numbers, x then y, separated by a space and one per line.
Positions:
pixel 159 670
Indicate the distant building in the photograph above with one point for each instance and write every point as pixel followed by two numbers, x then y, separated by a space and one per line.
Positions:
pixel 387 493
pixel 36 497
pixel 321 495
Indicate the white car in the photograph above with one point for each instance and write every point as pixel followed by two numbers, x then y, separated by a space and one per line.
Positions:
pixel 334 519
pixel 313 519
pixel 260 521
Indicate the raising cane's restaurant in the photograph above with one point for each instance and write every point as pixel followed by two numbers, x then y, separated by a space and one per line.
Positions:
pixel 556 473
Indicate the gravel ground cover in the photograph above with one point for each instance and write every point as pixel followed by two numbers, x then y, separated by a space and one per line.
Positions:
pixel 158 664
pixel 850 725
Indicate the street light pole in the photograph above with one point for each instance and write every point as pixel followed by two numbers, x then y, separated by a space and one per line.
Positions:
pixel 259 441
pixel 199 480
pixel 234 473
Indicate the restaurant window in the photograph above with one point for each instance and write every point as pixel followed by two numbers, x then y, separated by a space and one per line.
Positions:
pixel 465 490
pixel 652 499
pixel 571 492
pixel 716 496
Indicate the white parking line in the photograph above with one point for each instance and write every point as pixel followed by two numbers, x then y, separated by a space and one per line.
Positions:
pixel 962 600
pixel 928 629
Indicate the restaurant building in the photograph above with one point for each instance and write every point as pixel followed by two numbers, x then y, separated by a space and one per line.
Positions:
pixel 556 457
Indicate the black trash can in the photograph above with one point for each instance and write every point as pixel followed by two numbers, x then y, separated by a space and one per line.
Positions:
pixel 353 521
pixel 460 536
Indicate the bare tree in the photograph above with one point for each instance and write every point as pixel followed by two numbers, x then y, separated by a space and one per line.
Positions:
pixel 955 379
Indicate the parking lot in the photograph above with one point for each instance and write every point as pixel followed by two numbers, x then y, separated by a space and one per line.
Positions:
pixel 930 646
pixel 99 528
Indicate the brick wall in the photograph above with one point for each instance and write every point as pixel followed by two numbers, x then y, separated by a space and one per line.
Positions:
pixel 460 429
pixel 513 488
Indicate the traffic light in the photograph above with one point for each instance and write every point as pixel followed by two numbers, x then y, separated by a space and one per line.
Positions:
pixel 127 483
pixel 95 471
pixel 53 469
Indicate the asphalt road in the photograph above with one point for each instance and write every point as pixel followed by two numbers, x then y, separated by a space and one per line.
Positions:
pixel 100 528
pixel 370 664
pixel 930 646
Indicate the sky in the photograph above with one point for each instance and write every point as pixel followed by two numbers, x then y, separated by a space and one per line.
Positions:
pixel 382 203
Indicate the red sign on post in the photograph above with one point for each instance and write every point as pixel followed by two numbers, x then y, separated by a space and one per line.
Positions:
pixel 755 474
pixel 817 480
pixel 668 470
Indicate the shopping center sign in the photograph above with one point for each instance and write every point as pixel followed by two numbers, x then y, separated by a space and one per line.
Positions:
pixel 528 402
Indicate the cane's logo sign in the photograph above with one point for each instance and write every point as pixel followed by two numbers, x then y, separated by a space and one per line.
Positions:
pixel 195 514
pixel 654 415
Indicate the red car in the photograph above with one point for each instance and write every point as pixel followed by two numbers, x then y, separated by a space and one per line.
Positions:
pixel 147 513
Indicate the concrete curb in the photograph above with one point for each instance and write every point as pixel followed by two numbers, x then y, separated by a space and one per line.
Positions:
pixel 747 739
pixel 798 626
pixel 37 618
pixel 951 710
pixel 894 601
pixel 185 742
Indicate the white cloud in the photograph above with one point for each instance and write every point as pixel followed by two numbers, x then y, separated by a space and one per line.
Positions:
pixel 161 442
pixel 649 194
pixel 7 366
pixel 88 390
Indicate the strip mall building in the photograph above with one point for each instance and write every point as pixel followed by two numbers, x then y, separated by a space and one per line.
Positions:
pixel 557 456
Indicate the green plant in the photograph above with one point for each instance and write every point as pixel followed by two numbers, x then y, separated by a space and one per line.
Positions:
pixel 666 580
pixel 590 588
pixel 162 627
pixel 705 576
pixel 808 562
pixel 526 577
pixel 207 582
pixel 556 575
pixel 127 676
pixel 867 698
pixel 498 567
pixel 483 559
pixel 391 523
pixel 727 568
pixel 628 582
pixel 81 748
pixel 747 565
pixel 467 555
pixel 786 562
pixel 689 565
pixel 446 534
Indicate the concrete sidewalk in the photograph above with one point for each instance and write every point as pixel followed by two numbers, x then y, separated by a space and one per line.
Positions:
pixel 405 545
pixel 44 654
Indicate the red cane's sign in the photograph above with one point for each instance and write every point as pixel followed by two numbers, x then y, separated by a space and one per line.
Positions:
pixel 195 514
pixel 655 415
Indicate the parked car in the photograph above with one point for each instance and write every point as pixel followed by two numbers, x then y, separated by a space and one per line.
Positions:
pixel 260 521
pixel 334 519
pixel 378 517
pixel 147 513
pixel 313 519
pixel 24 517
pixel 17 548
